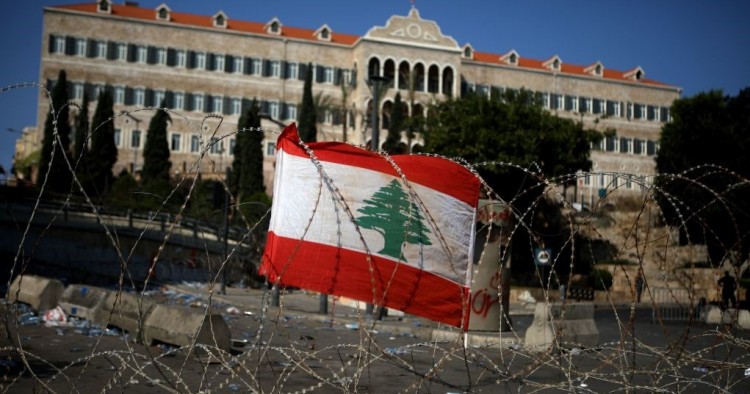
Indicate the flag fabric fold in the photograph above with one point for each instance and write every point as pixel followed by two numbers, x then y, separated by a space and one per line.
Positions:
pixel 346 221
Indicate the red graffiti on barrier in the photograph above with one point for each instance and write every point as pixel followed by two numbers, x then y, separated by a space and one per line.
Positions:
pixel 495 280
pixel 482 301
pixel 498 215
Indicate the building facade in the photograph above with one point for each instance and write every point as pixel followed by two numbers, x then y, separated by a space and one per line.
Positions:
pixel 207 69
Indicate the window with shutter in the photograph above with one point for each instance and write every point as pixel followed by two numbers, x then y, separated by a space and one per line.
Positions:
pixel 239 63
pixel 80 47
pixel 119 96
pixel 142 54
pixel 318 73
pixel 101 49
pixel 229 64
pixel 111 51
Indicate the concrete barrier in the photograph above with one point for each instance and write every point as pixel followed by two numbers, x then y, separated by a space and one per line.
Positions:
pixel 83 301
pixel 126 311
pixel 576 329
pixel 743 319
pixel 184 326
pixel 716 316
pixel 39 292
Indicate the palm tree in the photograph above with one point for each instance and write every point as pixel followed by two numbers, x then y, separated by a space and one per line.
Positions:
pixel 323 103
pixel 343 110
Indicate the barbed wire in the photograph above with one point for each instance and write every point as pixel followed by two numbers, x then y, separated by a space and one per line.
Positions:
pixel 642 346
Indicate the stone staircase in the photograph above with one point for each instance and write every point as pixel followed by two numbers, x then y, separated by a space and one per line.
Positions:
pixel 640 239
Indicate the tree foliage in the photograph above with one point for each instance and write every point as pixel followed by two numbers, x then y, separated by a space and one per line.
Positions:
pixel 396 125
pixel 81 146
pixel 57 124
pixel 702 186
pixel 103 153
pixel 415 123
pixel 511 128
pixel 123 195
pixel 247 168
pixel 156 164
pixel 308 130
pixel 514 128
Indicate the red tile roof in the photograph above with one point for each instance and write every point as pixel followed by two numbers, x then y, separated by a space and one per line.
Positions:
pixel 182 18
pixel 523 62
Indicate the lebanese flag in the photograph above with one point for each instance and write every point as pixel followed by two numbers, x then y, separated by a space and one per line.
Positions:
pixel 346 221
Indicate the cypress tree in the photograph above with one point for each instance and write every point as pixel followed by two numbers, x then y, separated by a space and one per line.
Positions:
pixel 247 168
pixel 80 147
pixel 103 153
pixel 58 117
pixel 156 162
pixel 307 117
pixel 392 140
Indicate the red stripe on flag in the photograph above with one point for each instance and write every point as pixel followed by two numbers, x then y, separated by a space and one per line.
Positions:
pixel 443 175
pixel 343 272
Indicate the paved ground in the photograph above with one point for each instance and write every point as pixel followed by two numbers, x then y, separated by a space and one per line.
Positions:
pixel 292 348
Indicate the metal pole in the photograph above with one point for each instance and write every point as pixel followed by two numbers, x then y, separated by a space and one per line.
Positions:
pixel 375 83
pixel 505 323
pixel 323 304
pixel 226 236
pixel 375 143
pixel 275 295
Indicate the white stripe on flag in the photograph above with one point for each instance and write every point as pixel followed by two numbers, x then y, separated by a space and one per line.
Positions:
pixel 303 197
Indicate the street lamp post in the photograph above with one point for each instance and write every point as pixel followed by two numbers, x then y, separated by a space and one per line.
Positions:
pixel 376 82
pixel 226 234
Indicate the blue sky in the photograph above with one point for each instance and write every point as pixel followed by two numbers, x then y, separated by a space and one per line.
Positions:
pixel 696 45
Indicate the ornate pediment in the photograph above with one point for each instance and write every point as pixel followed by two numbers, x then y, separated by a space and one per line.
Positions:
pixel 412 30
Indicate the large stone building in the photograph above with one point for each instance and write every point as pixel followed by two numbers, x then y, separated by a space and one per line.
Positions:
pixel 215 64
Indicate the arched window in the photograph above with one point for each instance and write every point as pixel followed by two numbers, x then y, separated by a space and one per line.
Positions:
pixel 417 111
pixel 389 71
pixel 403 75
pixel 419 77
pixel 104 6
pixel 163 13
pixel 433 79
pixel 448 81
pixel 373 68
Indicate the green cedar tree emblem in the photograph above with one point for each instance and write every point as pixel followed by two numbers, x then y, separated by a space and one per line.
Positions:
pixel 391 213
